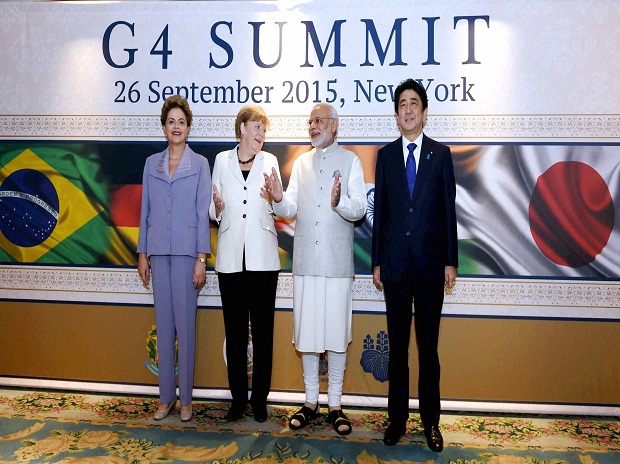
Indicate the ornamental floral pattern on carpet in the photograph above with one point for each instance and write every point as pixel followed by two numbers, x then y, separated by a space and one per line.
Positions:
pixel 85 428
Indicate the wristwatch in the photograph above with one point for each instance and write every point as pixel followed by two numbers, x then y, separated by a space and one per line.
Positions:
pixel 202 260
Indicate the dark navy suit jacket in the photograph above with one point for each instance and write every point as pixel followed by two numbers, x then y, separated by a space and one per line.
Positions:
pixel 416 235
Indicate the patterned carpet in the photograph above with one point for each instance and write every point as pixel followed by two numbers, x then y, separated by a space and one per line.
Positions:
pixel 55 427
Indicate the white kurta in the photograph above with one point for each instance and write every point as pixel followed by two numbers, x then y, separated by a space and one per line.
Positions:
pixel 323 246
pixel 322 313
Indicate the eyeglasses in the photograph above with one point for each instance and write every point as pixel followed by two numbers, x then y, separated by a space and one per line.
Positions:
pixel 318 121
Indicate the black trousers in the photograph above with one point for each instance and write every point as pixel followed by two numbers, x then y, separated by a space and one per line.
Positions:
pixel 428 301
pixel 249 297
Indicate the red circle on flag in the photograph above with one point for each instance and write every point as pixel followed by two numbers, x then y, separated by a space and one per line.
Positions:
pixel 571 213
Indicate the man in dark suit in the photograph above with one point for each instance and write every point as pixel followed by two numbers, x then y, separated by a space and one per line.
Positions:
pixel 414 255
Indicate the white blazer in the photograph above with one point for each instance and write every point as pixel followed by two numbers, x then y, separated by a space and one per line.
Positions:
pixel 247 220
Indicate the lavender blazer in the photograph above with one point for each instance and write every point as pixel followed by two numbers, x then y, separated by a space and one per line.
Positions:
pixel 174 219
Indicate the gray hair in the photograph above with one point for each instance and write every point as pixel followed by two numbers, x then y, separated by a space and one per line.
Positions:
pixel 332 114
pixel 332 111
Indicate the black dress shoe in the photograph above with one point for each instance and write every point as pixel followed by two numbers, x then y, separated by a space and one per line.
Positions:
pixel 234 414
pixel 260 412
pixel 434 438
pixel 393 434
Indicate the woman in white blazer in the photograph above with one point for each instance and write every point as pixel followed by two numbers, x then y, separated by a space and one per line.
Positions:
pixel 247 259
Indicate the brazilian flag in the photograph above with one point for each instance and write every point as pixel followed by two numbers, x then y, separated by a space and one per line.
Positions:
pixel 54 209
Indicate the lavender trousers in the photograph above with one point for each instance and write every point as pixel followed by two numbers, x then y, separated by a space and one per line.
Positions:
pixel 176 300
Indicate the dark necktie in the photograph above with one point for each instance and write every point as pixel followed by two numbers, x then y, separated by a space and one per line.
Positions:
pixel 410 169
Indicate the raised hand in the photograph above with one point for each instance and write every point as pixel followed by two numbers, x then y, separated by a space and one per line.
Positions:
pixel 264 190
pixel 336 190
pixel 272 187
pixel 218 202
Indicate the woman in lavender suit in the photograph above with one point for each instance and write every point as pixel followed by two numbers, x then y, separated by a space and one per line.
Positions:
pixel 173 244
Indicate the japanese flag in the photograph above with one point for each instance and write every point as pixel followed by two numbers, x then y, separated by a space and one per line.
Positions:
pixel 539 210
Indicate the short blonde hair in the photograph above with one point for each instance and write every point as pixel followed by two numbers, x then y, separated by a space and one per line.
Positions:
pixel 176 101
pixel 250 113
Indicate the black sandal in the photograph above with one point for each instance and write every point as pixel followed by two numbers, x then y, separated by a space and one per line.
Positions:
pixel 339 419
pixel 303 416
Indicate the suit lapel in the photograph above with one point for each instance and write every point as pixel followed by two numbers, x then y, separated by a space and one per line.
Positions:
pixel 399 168
pixel 257 167
pixel 160 170
pixel 187 166
pixel 233 165
pixel 426 155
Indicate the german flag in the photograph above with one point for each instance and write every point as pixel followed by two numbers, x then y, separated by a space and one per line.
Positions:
pixel 125 204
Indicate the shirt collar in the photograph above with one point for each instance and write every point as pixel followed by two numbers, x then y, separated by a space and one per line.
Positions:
pixel 417 141
pixel 333 147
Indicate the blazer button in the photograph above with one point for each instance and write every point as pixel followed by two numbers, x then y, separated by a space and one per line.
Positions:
pixel 411 210
pixel 408 234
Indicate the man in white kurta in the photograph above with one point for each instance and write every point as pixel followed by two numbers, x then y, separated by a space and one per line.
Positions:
pixel 326 192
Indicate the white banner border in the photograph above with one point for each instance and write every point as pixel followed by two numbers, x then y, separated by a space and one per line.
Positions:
pixel 362 129
pixel 472 297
